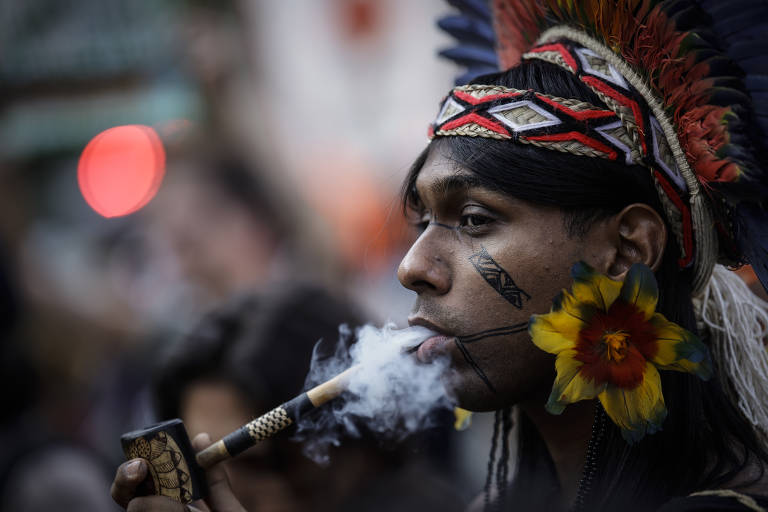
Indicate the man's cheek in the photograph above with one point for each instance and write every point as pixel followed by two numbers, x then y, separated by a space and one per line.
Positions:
pixel 498 278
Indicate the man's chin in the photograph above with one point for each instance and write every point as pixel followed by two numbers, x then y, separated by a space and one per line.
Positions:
pixel 470 393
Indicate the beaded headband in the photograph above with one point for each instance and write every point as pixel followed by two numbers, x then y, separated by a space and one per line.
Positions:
pixel 633 129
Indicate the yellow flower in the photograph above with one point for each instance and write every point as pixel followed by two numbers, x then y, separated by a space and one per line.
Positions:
pixel 610 343
pixel 463 418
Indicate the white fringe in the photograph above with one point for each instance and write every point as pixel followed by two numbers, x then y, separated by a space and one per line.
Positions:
pixel 737 321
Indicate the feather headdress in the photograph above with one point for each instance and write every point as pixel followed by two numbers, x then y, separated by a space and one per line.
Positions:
pixel 705 64
pixel 689 81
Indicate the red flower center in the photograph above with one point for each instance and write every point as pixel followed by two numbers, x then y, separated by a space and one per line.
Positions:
pixel 615 344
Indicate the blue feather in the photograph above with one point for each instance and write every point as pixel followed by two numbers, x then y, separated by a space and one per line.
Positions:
pixel 763 122
pixel 742 50
pixel 760 102
pixel 757 82
pixel 471 56
pixel 475 47
pixel 735 26
pixel 752 236
pixel 468 30
pixel 479 9
pixel 709 5
pixel 726 12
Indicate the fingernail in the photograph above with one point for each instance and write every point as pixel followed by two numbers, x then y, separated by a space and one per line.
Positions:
pixel 133 468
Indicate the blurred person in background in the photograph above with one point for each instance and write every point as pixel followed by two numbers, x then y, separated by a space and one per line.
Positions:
pixel 252 353
pixel 42 467
pixel 213 230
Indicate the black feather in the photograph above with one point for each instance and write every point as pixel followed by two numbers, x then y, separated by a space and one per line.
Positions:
pixel 732 82
pixel 725 96
pixel 673 8
pixel 690 17
pixel 724 66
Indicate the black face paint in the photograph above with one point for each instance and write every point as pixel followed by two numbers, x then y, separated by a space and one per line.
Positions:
pixel 490 333
pixel 498 278
pixel 461 342
pixel 473 365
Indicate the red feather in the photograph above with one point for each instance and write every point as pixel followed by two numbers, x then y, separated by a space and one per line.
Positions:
pixel 516 23
pixel 706 132
pixel 649 40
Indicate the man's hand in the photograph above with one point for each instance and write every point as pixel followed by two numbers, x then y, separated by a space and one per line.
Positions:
pixel 131 474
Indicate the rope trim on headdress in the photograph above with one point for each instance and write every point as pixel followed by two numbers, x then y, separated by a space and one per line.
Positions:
pixel 737 322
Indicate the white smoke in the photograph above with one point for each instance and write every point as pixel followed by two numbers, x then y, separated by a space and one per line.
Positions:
pixel 393 395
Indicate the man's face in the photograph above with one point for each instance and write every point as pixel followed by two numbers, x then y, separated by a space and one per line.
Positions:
pixel 483 264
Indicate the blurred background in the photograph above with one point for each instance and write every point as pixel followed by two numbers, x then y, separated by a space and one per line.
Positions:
pixel 274 135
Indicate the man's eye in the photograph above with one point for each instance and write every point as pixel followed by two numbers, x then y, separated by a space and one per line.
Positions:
pixel 474 220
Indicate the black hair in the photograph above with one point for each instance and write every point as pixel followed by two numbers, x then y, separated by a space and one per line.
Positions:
pixel 260 342
pixel 705 441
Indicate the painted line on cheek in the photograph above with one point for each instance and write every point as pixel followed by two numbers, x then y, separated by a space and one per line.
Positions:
pixel 475 367
pixel 490 333
pixel 498 278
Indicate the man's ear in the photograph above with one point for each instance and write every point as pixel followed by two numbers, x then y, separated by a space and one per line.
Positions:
pixel 639 235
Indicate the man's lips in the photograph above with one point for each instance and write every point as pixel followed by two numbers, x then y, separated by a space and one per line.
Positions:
pixel 431 348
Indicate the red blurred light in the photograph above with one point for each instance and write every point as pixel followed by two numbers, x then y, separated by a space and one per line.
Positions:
pixel 121 169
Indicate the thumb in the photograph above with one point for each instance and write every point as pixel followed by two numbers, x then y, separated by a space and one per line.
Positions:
pixel 221 497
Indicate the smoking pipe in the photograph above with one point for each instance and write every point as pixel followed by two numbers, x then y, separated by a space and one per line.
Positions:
pixel 178 473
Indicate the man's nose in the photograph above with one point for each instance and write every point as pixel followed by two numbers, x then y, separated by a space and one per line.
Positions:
pixel 424 269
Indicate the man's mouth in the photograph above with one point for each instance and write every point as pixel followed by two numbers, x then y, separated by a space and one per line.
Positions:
pixel 434 346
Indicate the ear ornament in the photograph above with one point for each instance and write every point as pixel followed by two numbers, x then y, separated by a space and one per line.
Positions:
pixel 610 344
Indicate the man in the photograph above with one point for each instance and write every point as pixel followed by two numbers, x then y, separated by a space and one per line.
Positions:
pixel 566 173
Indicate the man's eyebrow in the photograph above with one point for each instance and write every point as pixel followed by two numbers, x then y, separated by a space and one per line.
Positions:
pixel 455 182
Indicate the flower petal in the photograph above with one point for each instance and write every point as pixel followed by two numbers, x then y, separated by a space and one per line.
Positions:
pixel 679 349
pixel 570 385
pixel 592 287
pixel 559 329
pixel 640 289
pixel 546 336
pixel 637 411
pixel 463 418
